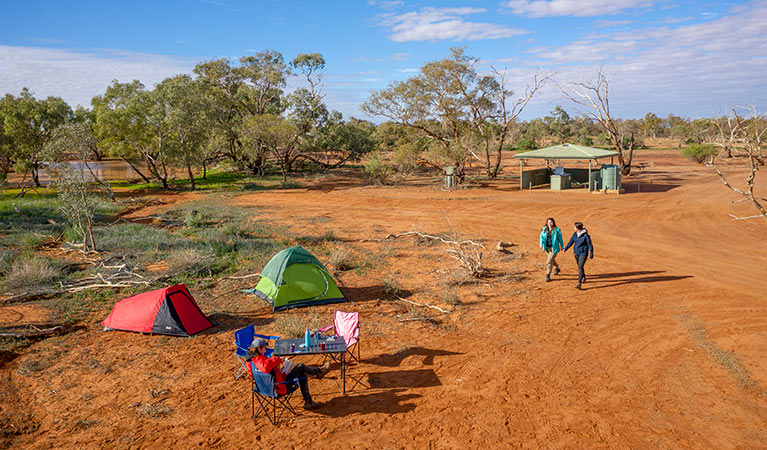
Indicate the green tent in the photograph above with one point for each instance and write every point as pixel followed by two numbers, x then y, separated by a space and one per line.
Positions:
pixel 293 278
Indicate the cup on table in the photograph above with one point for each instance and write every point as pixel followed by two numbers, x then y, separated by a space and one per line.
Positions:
pixel 322 346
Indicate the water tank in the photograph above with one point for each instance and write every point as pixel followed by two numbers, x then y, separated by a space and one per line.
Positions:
pixel 611 176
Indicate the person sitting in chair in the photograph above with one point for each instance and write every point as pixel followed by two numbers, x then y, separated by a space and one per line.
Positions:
pixel 297 372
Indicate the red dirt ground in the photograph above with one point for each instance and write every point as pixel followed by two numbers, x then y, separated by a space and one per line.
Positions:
pixel 664 348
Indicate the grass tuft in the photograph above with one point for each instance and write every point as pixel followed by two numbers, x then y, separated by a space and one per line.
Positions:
pixel 31 274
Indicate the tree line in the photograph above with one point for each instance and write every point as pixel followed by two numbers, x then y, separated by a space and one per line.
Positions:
pixel 449 113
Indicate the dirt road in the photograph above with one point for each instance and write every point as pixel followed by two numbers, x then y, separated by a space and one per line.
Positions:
pixel 664 348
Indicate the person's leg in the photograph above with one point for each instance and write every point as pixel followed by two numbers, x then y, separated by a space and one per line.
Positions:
pixel 581 268
pixel 298 372
pixel 554 263
pixel 549 265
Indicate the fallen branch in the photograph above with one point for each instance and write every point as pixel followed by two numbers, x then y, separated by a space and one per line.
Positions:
pixel 426 305
pixel 239 277
pixel 18 298
pixel 747 218
pixel 39 332
pixel 438 238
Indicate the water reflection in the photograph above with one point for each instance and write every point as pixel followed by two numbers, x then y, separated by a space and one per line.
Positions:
pixel 110 170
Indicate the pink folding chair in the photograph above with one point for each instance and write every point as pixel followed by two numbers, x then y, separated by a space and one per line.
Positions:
pixel 347 325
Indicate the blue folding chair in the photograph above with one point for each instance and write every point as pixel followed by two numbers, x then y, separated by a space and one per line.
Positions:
pixel 242 340
pixel 263 389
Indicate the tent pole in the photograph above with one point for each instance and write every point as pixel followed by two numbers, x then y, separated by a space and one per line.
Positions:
pixel 588 181
pixel 521 186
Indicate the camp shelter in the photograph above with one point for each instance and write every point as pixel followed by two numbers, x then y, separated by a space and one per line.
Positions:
pixel 293 278
pixel 537 177
pixel 170 310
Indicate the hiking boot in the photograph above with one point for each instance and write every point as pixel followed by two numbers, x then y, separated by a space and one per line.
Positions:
pixel 548 278
pixel 578 286
pixel 556 271
pixel 311 404
pixel 325 368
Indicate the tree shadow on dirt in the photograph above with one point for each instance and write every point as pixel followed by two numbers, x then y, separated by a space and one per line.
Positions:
pixel 395 359
pixel 634 187
pixel 336 184
pixel 224 322
pixel 389 402
pixel 370 293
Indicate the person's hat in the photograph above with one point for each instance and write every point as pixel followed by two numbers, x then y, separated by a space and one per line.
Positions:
pixel 259 343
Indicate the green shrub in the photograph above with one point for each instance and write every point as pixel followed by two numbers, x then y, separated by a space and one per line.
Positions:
pixel 699 152
pixel 526 144
pixel 378 170
pixel 6 259
pixel 135 236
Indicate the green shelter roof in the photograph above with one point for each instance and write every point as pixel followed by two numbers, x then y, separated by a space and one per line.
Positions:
pixel 293 255
pixel 566 151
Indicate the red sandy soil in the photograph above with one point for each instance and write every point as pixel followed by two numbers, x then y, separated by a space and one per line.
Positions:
pixel 664 348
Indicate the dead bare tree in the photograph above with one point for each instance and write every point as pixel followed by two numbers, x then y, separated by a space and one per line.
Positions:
pixel 724 132
pixel 594 93
pixel 747 140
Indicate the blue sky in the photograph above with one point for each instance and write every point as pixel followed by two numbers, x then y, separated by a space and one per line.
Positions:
pixel 664 56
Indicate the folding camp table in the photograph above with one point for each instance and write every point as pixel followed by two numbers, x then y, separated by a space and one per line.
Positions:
pixel 337 347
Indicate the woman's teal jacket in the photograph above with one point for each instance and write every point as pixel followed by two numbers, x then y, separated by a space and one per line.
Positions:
pixel 556 240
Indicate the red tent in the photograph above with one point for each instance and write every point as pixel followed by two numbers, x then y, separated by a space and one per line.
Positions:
pixel 170 310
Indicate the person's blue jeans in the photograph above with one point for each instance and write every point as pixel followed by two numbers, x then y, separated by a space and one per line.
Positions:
pixel 581 261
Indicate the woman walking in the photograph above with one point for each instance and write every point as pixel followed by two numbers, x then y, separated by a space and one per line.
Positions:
pixel 582 247
pixel 551 243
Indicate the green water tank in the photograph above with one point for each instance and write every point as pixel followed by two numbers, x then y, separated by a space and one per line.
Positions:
pixel 611 176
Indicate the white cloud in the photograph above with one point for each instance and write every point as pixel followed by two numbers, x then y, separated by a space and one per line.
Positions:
pixel 694 67
pixel 672 20
pixel 436 24
pixel 77 76
pixel 611 23
pixel 408 70
pixel 576 8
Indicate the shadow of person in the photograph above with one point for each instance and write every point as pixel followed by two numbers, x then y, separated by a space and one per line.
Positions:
pixel 624 274
pixel 389 402
pixel 395 359
pixel 655 279
pixel 417 378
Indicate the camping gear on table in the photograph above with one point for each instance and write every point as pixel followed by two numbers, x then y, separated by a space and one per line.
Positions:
pixel 293 278
pixel 170 310
pixel 347 326
pixel 242 340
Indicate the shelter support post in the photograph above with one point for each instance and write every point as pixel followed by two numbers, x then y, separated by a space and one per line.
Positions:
pixel 521 186
pixel 589 178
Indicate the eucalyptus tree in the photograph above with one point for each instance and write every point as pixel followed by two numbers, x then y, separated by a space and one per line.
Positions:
pixel 462 112
pixel 6 148
pixel 235 94
pixel 336 142
pixel 132 123
pixel 186 120
pixel 28 125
